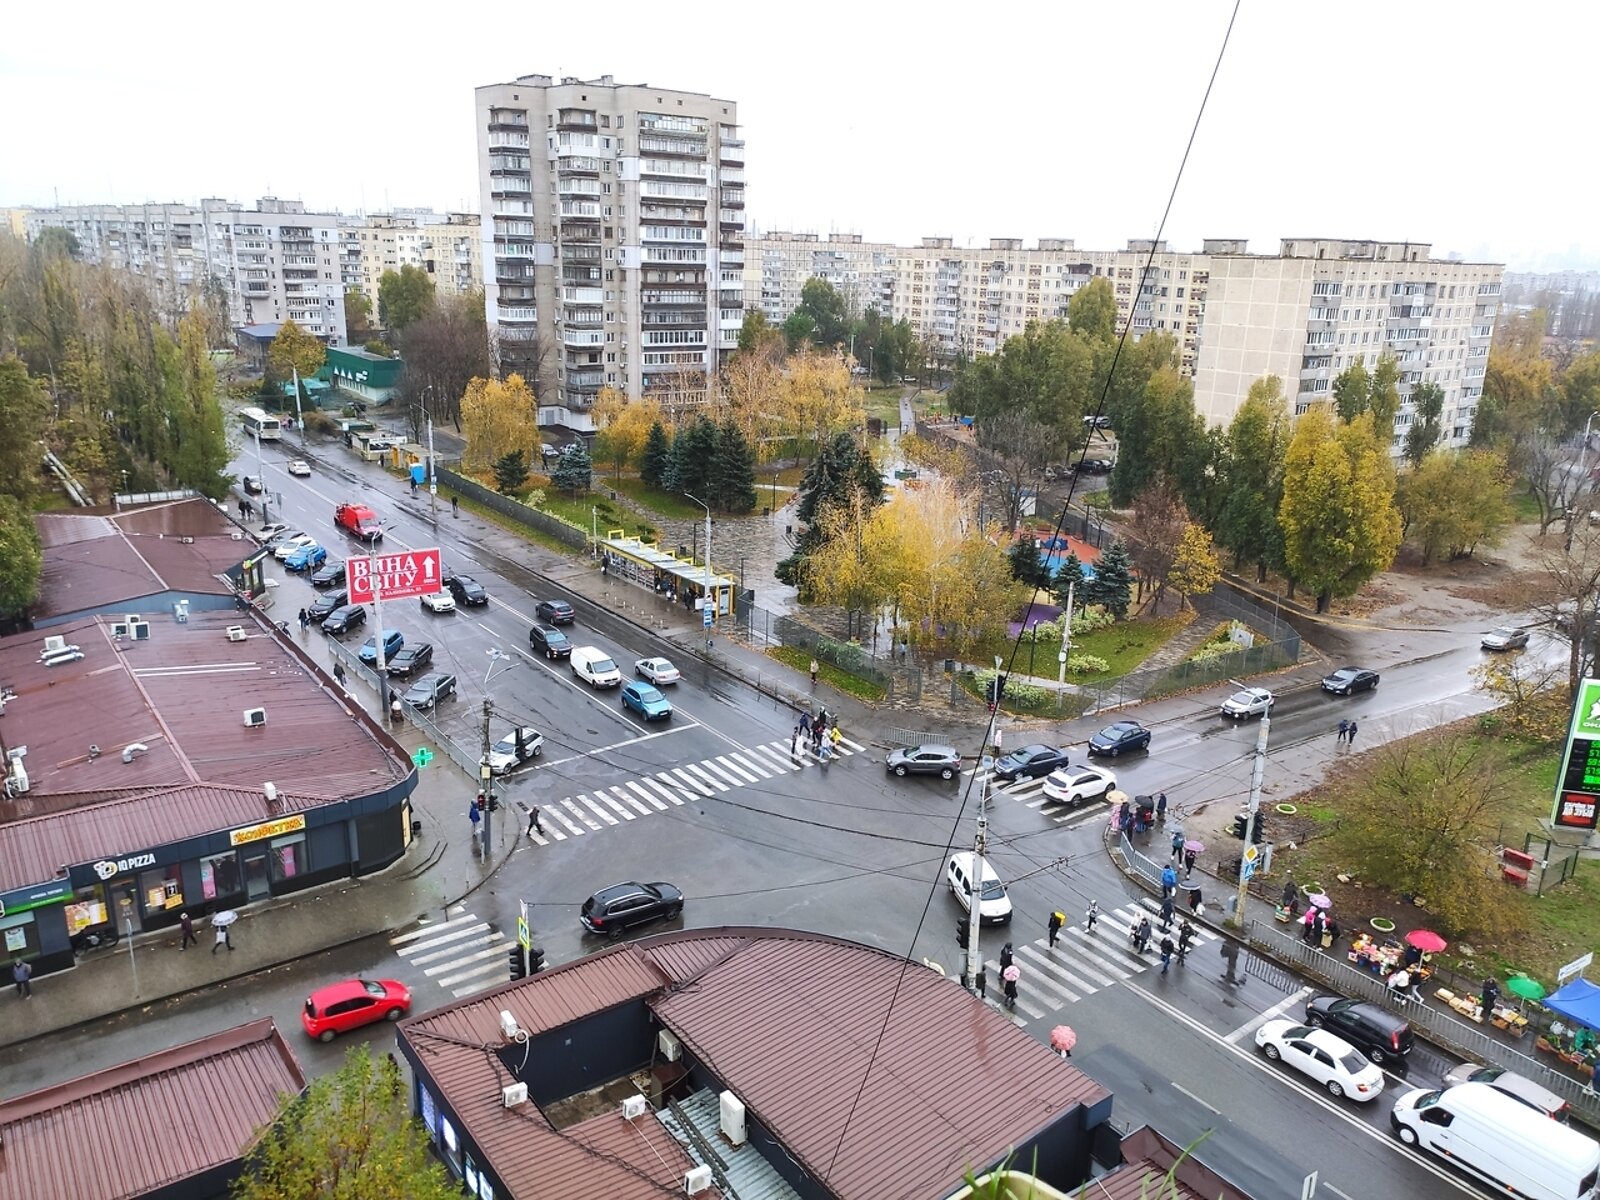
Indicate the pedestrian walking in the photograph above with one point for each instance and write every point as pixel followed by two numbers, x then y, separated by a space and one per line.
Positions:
pixel 1091 916
pixel 224 938
pixel 1169 880
pixel 455 506
pixel 1057 920
pixel 473 815
pixel 186 924
pixel 1009 977
pixel 794 743
pixel 305 620
pixel 999 737
pixel 1344 732
pixel 338 673
pixel 814 669
pixel 1005 957
pixel 1230 955
pixel 805 724
pixel 817 731
pixel 535 823
pixel 1185 938
pixel 1142 934
pixel 1161 807
pixel 1195 905
pixel 413 485
pixel 1166 911
pixel 1177 844
pixel 21 973
pixel 1188 863
pixel 1166 953
pixel 835 738
pixel 1350 737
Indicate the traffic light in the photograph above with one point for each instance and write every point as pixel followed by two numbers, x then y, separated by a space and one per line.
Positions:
pixel 480 802
pixel 997 691
pixel 963 934
pixel 518 971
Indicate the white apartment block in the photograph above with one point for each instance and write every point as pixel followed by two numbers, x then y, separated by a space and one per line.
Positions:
pixel 1237 316
pixel 613 236
pixel 274 263
pixel 448 246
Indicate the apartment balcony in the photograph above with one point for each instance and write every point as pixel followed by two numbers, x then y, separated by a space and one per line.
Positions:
pixel 579 187
pixel 687 294
pixel 503 143
pixel 680 147
pixel 581 318
pixel 508 122
pixel 579 276
pixel 731 153
pixel 585 380
pixel 733 197
pixel 675 235
pixel 731 175
pixel 256 290
pixel 673 256
pixel 579 210
pixel 583 295
pixel 518 313
pixel 659 124
pixel 576 120
pixel 579 233
pixel 579 339
pixel 577 164
pixel 731 257
pixel 507 277
pixel 580 253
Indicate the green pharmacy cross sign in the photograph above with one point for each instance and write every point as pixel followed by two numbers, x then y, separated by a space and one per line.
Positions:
pixel 1578 786
pixel 422 756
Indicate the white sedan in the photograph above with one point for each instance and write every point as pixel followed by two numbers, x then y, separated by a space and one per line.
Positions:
pixel 289 545
pixel 1248 702
pixel 1331 1061
pixel 299 467
pixel 1074 785
pixel 439 602
pixel 657 670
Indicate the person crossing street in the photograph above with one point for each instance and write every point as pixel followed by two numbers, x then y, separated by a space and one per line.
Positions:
pixel 1057 920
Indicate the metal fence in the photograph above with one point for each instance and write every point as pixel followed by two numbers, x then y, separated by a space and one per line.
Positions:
pixel 571 535
pixel 463 757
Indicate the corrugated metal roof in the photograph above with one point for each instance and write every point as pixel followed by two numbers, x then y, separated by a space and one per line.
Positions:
pixel 1147 1157
pixel 149 1122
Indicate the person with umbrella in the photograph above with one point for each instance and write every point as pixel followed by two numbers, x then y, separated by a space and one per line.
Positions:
pixel 1062 1039
pixel 222 922
pixel 1009 978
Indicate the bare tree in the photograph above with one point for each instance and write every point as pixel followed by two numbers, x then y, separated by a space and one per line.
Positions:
pixel 1555 479
pixel 1159 519
pixel 444 350
pixel 1567 598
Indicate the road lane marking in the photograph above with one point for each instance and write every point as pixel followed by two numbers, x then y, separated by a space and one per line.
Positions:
pixel 1180 1088
pixel 668 789
pixel 428 931
pixel 497 949
pixel 450 939
pixel 572 826
pixel 556 762
pixel 739 774
pixel 634 801
pixel 697 771
pixel 609 819
pixel 1249 1027
pixel 751 763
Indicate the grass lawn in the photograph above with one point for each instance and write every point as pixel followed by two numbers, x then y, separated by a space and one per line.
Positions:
pixel 800 660
pixel 517 527
pixel 1124 646
pixel 665 503
pixel 1524 507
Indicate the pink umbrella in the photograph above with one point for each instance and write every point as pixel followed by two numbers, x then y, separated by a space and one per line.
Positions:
pixel 1320 900
pixel 1063 1038
pixel 1426 940
pixel 1196 845
pixel 1011 974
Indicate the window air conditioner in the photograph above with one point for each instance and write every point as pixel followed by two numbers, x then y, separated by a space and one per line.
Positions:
pixel 254 717
pixel 140 630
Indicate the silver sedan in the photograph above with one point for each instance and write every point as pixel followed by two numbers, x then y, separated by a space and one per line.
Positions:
pixel 658 671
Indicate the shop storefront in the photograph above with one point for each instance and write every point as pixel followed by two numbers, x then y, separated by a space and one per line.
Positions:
pixel 33 926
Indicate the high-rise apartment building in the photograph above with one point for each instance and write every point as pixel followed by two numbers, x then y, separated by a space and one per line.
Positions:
pixel 1303 314
pixel 613 237
pixel 448 246
pixel 273 263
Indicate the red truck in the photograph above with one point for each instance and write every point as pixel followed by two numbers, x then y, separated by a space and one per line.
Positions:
pixel 358 521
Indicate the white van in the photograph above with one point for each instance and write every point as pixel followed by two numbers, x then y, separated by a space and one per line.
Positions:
pixel 594 667
pixel 994 906
pixel 1509 1146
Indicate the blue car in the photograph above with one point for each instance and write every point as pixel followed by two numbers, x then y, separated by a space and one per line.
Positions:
pixel 393 639
pixel 646 700
pixel 305 558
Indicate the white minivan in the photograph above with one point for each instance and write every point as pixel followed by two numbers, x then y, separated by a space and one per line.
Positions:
pixel 594 667
pixel 994 906
pixel 1514 1149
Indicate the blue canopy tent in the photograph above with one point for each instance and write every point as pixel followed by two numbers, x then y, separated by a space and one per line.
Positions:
pixel 1578 1001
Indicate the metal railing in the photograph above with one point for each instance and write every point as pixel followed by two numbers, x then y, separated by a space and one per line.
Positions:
pixel 463 757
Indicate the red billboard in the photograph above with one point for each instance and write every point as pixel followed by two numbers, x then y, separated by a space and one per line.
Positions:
pixel 393 576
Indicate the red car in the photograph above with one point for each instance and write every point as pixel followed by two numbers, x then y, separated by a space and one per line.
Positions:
pixel 341 1007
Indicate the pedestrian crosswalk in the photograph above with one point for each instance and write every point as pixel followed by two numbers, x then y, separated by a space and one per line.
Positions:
pixel 1083 963
pixel 601 808
pixel 463 955
pixel 1030 792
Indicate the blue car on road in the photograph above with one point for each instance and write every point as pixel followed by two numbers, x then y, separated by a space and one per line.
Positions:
pixel 305 558
pixel 393 639
pixel 646 700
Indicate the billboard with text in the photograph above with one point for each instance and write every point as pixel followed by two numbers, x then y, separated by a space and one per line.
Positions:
pixel 393 576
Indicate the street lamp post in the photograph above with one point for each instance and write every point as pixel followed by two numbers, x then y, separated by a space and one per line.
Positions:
pixel 707 598
pixel 485 771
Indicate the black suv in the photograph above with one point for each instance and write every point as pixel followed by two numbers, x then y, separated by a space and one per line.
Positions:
pixel 322 608
pixel 466 590
pixel 549 641
pixel 557 612
pixel 614 909
pixel 344 619
pixel 410 658
pixel 1375 1031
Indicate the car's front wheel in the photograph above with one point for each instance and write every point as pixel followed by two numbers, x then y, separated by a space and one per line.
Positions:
pixel 674 912
pixel 1271 1052
pixel 1314 1020
pixel 1407 1135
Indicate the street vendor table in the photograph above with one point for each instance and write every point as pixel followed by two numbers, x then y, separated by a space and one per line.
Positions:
pixel 1370 955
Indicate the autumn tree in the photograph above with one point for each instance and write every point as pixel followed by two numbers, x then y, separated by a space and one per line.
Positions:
pixel 358 324
pixel 349 1136
pixel 760 337
pixel 819 400
pixel 1383 397
pixel 200 456
pixel 1160 439
pixel 444 350
pixel 294 350
pixel 1422 435
pixel 404 296
pixel 1092 311
pixel 1352 388
pixel 21 557
pixel 624 426
pixel 1565 592
pixel 23 410
pixel 1195 569
pixel 1258 438
pixel 1157 530
pixel 1454 502
pixel 1340 524
pixel 1531 693
pixel 756 395
pixel 497 417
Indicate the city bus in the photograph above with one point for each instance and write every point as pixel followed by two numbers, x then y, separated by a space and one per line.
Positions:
pixel 263 425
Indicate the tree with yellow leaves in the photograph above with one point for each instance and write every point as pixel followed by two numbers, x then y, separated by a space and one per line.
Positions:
pixel 498 417
pixel 819 399
pixel 1194 565
pixel 624 426
pixel 755 395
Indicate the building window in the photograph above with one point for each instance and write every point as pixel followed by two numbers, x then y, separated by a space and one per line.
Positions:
pixel 219 876
pixel 287 857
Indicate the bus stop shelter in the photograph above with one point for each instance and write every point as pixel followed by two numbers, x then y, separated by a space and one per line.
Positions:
pixel 664 573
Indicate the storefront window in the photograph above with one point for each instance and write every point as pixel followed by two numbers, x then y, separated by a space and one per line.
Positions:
pixel 19 937
pixel 219 876
pixel 88 908
pixel 161 889
pixel 287 857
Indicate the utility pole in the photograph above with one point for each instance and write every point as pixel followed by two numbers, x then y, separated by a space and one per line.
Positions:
pixel 1066 641
pixel 1246 868
pixel 709 599
pixel 972 975
pixel 433 479
pixel 261 477
pixel 299 420
pixel 486 774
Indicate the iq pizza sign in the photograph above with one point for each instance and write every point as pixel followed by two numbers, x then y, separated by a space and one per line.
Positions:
pixel 1578 785
pixel 393 576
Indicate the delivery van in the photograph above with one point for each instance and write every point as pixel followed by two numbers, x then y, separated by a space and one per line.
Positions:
pixel 1514 1149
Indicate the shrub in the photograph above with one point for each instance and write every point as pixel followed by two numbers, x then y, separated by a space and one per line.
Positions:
pixel 1087 664
pixel 1212 651
pixel 1090 618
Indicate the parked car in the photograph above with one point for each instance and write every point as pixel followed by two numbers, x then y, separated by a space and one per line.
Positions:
pixel 287 546
pixel 410 658
pixel 549 641
pixel 283 534
pixel 930 759
pixel 1375 1031
pixel 594 667
pixel 271 530
pixel 299 466
pixel 438 602
pixel 613 910
pixel 646 700
pixel 555 612
pixel 658 671
pixel 994 906
pixel 430 689
pixel 1094 422
pixel 1119 738
pixel 252 485
pixel 1097 466
pixel 1248 702
pixel 1333 1062
pixel 1519 1087
pixel 358 521
pixel 324 605
pixel 1505 638
pixel 393 639
pixel 305 558
pixel 1073 785
pixel 344 619
pixel 466 590
pixel 341 1007
pixel 1030 762
pixel 521 745
pixel 328 574
pixel 1348 680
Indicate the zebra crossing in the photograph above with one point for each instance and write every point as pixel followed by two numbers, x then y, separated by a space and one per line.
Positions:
pixel 600 808
pixel 1084 963
pixel 1030 792
pixel 463 955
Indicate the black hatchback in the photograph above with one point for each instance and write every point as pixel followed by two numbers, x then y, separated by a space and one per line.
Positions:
pixel 549 641
pixel 1371 1029
pixel 328 574
pixel 343 620
pixel 324 605
pixel 613 910
pixel 1119 738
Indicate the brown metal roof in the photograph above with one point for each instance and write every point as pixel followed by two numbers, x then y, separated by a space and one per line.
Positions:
pixel 1147 1158
pixel 787 1020
pixel 149 1122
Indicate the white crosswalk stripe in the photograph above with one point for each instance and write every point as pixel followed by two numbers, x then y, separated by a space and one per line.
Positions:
pixel 1030 793
pixel 462 955
pixel 1084 963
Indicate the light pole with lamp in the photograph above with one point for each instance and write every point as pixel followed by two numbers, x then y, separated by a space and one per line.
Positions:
pixel 485 771
pixel 708 598
pixel 433 473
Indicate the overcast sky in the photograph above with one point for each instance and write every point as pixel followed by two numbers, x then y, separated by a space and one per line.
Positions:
pixel 1462 124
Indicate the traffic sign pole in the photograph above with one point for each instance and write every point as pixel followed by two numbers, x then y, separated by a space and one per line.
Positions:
pixel 1247 860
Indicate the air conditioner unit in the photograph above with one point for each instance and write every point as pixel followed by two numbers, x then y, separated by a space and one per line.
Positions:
pixel 140 630
pixel 236 633
pixel 669 1047
pixel 513 1094
pixel 54 644
pixel 696 1181
pixel 255 716
pixel 633 1106
pixel 732 1119
pixel 119 629
pixel 17 782
pixel 132 618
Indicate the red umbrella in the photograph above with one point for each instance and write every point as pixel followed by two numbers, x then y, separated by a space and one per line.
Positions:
pixel 1063 1038
pixel 1426 940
